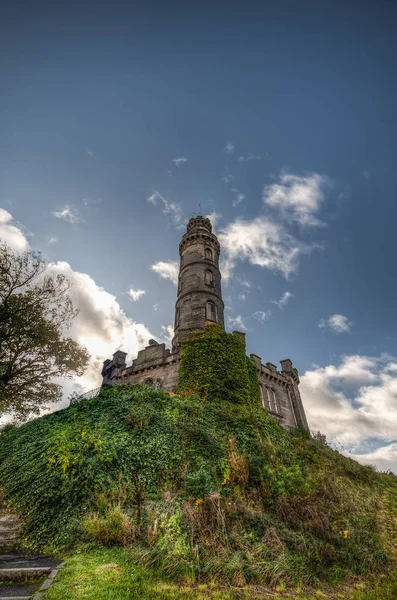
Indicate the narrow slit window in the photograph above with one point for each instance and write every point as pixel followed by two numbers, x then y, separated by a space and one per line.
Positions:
pixel 210 310
pixel 262 397
pixel 209 277
pixel 208 254
pixel 269 406
pixel 275 402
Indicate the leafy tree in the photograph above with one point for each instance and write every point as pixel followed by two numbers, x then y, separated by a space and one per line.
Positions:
pixel 36 312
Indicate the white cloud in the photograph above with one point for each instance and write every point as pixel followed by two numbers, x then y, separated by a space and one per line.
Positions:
pixel 52 240
pixel 297 198
pixel 156 307
pixel 167 333
pixel 229 148
pixel 169 208
pixel 336 323
pixel 366 174
pixel 236 322
pixel 355 404
pixel 70 214
pixel 101 326
pixel 10 233
pixel 262 316
pixel 179 161
pixel 385 458
pixel 135 294
pixel 262 243
pixel 283 300
pixel 242 296
pixel 167 270
pixel 214 217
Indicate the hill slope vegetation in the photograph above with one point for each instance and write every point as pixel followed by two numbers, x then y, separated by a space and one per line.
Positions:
pixel 201 489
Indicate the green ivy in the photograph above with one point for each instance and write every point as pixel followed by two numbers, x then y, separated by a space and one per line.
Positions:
pixel 214 366
pixel 200 480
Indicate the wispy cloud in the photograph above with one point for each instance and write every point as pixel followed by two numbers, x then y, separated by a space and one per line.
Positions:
pixel 262 315
pixel 244 283
pixel 227 178
pixel 135 294
pixel 156 307
pixel 239 197
pixel 242 296
pixel 179 161
pixel 169 208
pixel 91 153
pixel 92 201
pixel 229 148
pixel 366 174
pixel 281 303
pixel 250 156
pixel 336 324
pixel 236 321
pixel 167 270
pixel 52 240
pixel 298 198
pixel 70 214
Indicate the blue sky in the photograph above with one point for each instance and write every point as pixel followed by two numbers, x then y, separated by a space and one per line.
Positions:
pixel 285 114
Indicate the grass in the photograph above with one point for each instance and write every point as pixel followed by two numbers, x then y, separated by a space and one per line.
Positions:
pixel 113 574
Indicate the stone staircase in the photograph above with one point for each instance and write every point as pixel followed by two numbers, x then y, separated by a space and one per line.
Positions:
pixel 21 574
pixel 10 525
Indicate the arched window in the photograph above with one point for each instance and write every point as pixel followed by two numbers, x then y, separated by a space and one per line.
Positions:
pixel 262 397
pixel 208 253
pixel 148 382
pixel 210 311
pixel 272 401
pixel 209 277
pixel 275 402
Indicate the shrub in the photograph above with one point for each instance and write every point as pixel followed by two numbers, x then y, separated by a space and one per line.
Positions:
pixel 112 528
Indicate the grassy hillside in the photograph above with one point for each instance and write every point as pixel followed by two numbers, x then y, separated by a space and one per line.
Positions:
pixel 200 490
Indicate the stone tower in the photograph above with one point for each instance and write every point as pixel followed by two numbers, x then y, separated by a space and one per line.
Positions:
pixel 199 297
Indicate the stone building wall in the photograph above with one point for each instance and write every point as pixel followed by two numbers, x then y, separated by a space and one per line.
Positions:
pixel 155 365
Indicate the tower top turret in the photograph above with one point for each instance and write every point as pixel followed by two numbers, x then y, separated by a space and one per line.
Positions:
pixel 199 223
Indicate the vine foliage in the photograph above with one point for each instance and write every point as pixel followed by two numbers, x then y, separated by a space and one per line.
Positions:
pixel 214 366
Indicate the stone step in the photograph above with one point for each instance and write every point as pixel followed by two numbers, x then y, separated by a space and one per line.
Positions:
pixel 8 534
pixel 9 517
pixel 10 525
pixel 23 573
pixel 17 567
pixel 17 592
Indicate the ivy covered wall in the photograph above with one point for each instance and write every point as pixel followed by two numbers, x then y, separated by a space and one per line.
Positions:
pixel 214 365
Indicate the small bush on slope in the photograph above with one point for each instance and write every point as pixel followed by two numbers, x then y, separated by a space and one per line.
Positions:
pixel 215 489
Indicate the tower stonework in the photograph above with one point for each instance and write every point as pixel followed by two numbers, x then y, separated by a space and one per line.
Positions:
pixel 199 297
pixel 199 301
